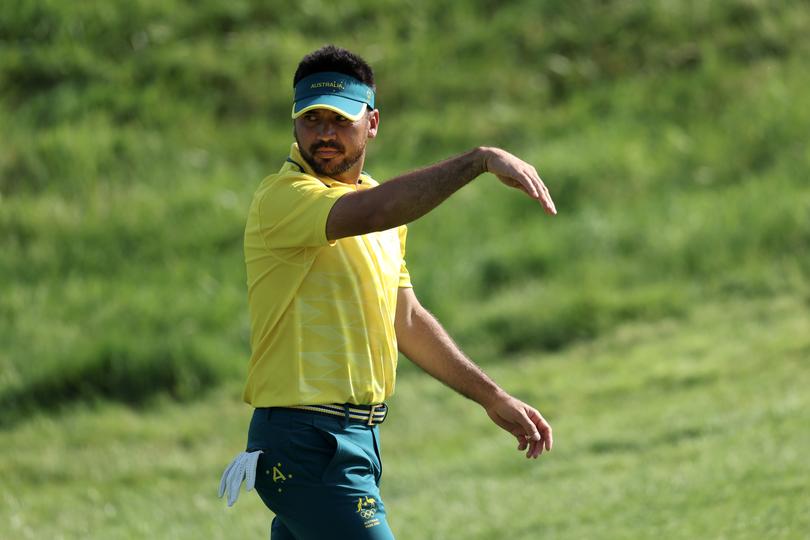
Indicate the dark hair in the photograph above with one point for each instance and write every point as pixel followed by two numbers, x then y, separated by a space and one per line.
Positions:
pixel 331 58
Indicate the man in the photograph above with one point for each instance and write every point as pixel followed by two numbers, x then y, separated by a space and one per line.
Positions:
pixel 331 304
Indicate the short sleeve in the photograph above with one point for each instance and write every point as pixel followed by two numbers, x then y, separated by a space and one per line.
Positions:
pixel 293 211
pixel 404 275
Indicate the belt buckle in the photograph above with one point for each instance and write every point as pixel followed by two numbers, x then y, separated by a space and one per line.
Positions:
pixel 371 413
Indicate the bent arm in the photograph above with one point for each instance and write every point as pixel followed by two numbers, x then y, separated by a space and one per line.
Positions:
pixel 426 343
pixel 412 195
pixel 423 340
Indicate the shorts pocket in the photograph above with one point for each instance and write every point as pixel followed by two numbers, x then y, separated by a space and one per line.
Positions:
pixel 378 464
pixel 310 451
pixel 294 455
pixel 350 464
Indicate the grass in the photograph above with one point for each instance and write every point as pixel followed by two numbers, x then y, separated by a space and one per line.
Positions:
pixel 678 428
pixel 133 154
pixel 658 319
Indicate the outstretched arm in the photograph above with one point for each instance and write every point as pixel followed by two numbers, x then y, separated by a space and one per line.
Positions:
pixel 423 340
pixel 412 195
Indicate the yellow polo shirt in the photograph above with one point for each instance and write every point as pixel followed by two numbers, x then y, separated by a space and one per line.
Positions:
pixel 321 313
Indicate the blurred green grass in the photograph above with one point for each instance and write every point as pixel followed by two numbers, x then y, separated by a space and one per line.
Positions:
pixel 681 428
pixel 672 135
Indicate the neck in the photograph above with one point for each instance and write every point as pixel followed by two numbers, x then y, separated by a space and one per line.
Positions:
pixel 352 175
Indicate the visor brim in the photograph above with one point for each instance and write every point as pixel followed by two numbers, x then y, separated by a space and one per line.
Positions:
pixel 349 108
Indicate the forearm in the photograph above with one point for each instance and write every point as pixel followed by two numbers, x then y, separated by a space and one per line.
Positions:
pixel 422 339
pixel 404 198
pixel 412 195
pixel 425 342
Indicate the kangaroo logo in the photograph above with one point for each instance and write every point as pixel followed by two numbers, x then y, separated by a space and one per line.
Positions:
pixel 366 507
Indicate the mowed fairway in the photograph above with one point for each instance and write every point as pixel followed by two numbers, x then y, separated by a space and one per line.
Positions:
pixel 694 428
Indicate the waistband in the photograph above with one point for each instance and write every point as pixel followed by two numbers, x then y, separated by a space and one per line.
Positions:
pixel 371 415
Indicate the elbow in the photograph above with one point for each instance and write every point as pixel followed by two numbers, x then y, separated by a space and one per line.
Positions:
pixel 411 320
pixel 404 328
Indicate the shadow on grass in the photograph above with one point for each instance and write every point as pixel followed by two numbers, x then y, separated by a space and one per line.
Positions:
pixel 115 377
pixel 528 325
pixel 635 445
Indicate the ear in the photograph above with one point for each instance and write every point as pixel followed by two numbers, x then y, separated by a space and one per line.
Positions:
pixel 373 123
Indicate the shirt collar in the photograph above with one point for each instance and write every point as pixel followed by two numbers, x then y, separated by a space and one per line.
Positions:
pixel 296 161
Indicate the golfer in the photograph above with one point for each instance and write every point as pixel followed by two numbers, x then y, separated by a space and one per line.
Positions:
pixel 331 305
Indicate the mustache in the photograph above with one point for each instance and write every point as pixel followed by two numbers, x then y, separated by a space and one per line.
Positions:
pixel 330 145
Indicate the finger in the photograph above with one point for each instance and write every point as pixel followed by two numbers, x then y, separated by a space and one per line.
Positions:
pixel 531 186
pixel 543 427
pixel 523 442
pixel 545 196
pixel 528 427
pixel 511 182
pixel 531 173
pixel 521 177
pixel 522 187
pixel 535 449
pixel 534 189
pixel 546 434
pixel 548 204
pixel 524 184
pixel 532 183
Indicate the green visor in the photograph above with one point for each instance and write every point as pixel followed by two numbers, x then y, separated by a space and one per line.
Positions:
pixel 337 92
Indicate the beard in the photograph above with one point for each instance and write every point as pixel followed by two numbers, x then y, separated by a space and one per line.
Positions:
pixel 329 167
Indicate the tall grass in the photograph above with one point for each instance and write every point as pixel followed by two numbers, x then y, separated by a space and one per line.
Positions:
pixel 672 136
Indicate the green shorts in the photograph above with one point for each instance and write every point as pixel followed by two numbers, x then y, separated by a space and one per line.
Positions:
pixel 319 475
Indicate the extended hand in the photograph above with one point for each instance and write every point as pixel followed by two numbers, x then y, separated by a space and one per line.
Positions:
pixel 524 422
pixel 518 174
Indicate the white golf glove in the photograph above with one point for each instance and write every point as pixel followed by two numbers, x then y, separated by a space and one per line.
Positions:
pixel 243 467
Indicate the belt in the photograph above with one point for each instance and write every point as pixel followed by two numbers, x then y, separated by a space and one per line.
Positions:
pixel 371 415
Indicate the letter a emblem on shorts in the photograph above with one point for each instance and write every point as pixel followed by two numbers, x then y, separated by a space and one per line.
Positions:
pixel 278 476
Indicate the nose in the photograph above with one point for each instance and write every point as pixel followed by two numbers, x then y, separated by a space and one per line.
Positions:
pixel 326 130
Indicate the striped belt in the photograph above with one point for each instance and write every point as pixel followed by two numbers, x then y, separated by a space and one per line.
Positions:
pixel 371 415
